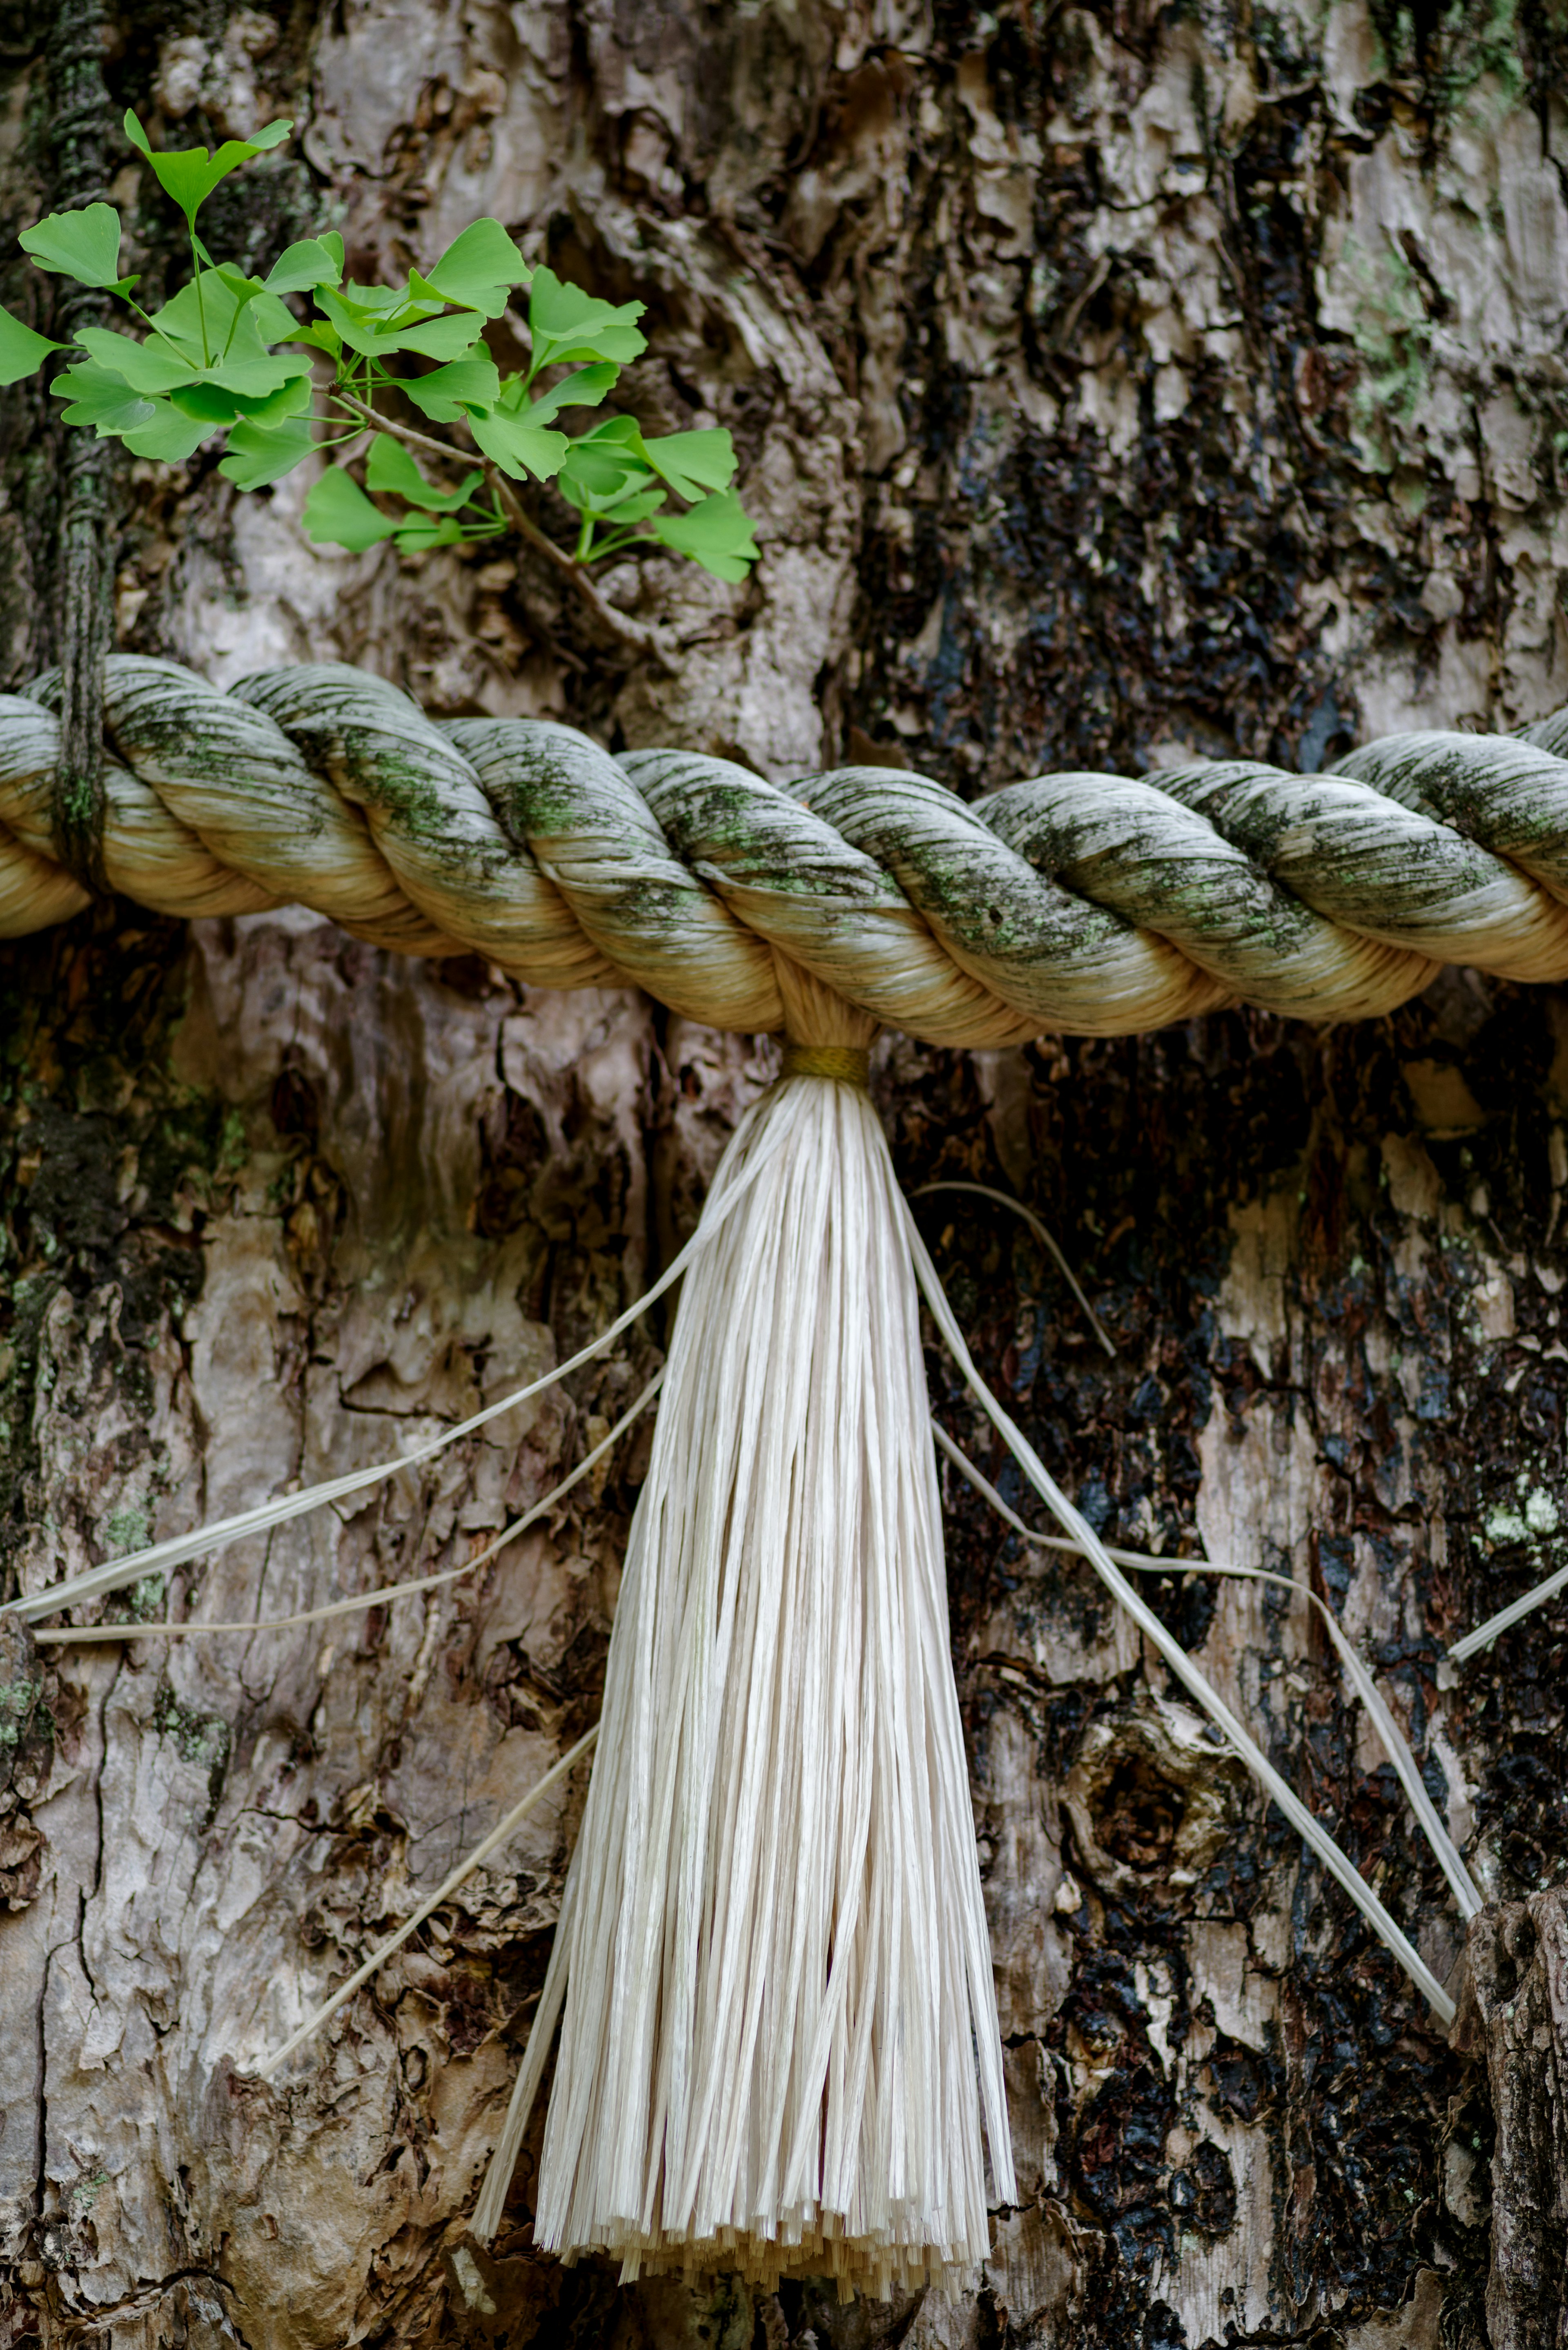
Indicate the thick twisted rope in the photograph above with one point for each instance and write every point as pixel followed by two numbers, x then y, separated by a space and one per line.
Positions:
pixel 1081 902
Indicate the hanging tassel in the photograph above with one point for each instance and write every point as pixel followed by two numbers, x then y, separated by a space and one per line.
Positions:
pixel 779 2051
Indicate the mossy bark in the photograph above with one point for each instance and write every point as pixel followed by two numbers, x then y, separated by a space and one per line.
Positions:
pixel 1113 385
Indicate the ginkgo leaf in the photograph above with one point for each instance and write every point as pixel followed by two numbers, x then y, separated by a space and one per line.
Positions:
pixel 567 325
pixel 520 449
pixel 101 399
pixel 22 351
pixel 148 367
pixel 479 268
pixel 171 437
pixel 633 505
pixel 320 338
pixel 221 317
pixel 390 468
pixel 421 531
pixel 716 535
pixel 375 335
pixel 188 174
pixel 224 407
pixel 80 244
pixel 338 513
pixel 692 462
pixel 451 391
pixel 584 389
pixel 258 453
pixel 310 263
pixel 450 338
pixel 606 465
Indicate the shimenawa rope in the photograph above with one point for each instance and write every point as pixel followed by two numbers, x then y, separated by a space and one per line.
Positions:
pixel 779 2049
pixel 1089 903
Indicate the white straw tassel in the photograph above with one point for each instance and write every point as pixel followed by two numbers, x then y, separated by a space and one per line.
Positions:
pixel 779 2048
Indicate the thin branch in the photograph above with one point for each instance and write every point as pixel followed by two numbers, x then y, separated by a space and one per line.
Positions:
pixel 634 634
pixel 415 439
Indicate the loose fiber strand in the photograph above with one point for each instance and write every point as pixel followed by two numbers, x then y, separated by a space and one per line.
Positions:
pixel 1506 1617
pixel 443 1892
pixel 78 1634
pixel 1311 1829
pixel 1046 1240
pixel 115 1573
pixel 1391 1737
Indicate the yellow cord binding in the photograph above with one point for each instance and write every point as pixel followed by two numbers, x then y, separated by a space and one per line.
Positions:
pixel 848 1062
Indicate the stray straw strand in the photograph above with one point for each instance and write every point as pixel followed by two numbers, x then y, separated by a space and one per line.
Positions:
pixel 443 1892
pixel 1306 1826
pixel 1003 1200
pixel 84 1634
pixel 1395 1746
pixel 115 1573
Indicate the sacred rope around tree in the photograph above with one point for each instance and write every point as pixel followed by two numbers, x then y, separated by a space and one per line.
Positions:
pixel 779 2050
pixel 1089 903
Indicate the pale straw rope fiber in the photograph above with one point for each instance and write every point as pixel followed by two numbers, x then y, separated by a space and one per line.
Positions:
pixel 1087 904
pixel 779 2050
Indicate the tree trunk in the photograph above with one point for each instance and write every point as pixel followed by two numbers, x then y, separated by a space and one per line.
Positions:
pixel 1114 385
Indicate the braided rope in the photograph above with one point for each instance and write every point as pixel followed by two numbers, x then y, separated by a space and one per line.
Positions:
pixel 1082 902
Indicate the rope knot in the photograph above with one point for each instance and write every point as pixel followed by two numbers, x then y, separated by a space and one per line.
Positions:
pixel 849 1064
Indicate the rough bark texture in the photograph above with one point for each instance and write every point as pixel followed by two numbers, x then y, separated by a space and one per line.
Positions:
pixel 1517 2016
pixel 1113 382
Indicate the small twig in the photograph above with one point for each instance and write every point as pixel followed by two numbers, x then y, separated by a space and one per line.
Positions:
pixel 409 432
pixel 635 634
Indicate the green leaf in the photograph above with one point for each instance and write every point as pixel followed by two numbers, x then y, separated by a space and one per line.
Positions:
pixel 716 535
pixel 567 325
pixel 221 407
pixel 102 399
pixel 633 507
pixel 358 323
pixel 606 465
pixel 423 299
pixel 419 534
pixel 310 263
pixel 585 389
pixel 319 337
pixel 84 246
pixel 391 468
pixel 21 350
pixel 234 293
pixel 334 244
pixel 259 454
pixel 232 320
pixel 478 269
pixel 275 322
pixel 375 300
pixel 171 436
pixel 450 391
pixel 451 337
pixel 188 174
pixel 210 404
pixel 520 449
pixel 338 513
pixel 367 330
pixel 153 368
pixel 148 367
pixel 692 462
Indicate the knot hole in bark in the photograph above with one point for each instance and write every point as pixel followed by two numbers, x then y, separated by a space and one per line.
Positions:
pixel 1137 1813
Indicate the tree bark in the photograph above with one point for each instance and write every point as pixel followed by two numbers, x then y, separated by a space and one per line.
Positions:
pixel 1112 385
